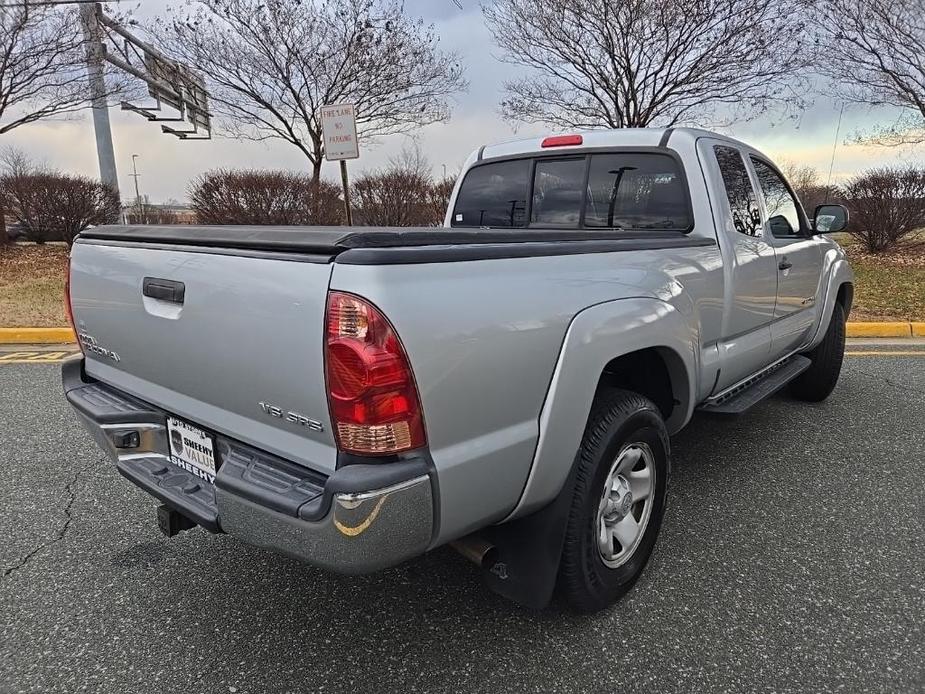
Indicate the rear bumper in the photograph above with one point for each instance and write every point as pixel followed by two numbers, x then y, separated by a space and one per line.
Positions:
pixel 360 519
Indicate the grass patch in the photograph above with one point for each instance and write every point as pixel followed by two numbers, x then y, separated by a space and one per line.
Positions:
pixel 888 286
pixel 32 286
pixel 885 290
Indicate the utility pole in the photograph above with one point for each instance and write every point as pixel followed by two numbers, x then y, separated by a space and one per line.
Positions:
pixel 138 203
pixel 95 50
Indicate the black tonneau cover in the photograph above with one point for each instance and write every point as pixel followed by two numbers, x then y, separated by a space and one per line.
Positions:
pixel 336 239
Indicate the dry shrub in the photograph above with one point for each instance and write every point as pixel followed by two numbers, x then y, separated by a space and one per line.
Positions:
pixel 246 196
pixel 56 207
pixel 886 204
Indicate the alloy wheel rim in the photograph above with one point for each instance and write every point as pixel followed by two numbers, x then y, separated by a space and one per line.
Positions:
pixel 625 504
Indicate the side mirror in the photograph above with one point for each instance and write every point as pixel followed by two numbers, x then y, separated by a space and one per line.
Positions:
pixel 830 218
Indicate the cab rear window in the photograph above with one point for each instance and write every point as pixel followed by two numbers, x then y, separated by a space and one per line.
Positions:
pixel 616 190
pixel 494 195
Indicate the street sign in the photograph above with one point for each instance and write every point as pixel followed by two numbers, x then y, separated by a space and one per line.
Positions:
pixel 339 125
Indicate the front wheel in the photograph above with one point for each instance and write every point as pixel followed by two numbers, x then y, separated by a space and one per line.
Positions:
pixel 618 501
pixel 818 381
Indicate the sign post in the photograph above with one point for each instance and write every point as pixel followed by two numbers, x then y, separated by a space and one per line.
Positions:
pixel 339 126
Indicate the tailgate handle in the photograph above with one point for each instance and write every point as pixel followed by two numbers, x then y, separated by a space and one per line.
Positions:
pixel 165 290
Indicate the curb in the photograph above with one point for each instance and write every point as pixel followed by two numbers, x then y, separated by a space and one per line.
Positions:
pixel 36 336
pixel 896 329
pixel 53 336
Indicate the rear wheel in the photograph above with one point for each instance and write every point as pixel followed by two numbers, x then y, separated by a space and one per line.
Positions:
pixel 618 502
pixel 818 381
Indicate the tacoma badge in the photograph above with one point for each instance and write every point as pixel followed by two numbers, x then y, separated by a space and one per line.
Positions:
pixel 294 417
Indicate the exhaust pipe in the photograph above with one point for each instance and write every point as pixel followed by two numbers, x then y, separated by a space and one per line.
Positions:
pixel 480 552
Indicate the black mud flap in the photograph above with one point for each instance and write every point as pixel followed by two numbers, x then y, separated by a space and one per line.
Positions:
pixel 526 564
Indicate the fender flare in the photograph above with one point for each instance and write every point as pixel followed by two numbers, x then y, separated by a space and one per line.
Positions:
pixel 594 337
pixel 837 272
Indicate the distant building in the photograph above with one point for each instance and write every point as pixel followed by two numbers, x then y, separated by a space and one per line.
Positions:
pixel 164 213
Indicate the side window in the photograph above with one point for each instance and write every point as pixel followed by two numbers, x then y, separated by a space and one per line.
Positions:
pixel 783 218
pixel 743 203
pixel 557 192
pixel 494 195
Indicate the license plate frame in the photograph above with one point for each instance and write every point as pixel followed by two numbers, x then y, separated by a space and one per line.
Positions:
pixel 192 449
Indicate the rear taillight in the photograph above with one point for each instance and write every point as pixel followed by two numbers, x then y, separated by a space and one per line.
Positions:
pixel 373 399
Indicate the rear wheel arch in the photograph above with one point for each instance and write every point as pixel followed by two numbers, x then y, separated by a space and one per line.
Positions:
pixel 658 373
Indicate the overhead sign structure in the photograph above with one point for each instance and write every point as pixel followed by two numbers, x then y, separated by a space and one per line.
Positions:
pixel 339 125
pixel 339 128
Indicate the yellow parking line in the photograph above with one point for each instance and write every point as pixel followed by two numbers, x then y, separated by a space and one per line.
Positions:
pixel 34 357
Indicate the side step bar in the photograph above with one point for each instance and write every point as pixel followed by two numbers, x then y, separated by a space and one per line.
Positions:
pixel 752 391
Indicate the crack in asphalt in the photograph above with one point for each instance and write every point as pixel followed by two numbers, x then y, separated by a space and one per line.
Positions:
pixel 62 531
pixel 884 379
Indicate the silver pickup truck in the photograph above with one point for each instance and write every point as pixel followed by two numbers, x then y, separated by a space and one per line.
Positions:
pixel 506 384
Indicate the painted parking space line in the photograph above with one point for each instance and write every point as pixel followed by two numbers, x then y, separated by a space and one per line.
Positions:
pixel 888 353
pixel 35 357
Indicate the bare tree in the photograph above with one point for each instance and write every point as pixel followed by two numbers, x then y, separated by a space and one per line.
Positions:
pixel 875 51
pixel 271 64
pixel 636 63
pixel 806 184
pixel 41 58
pixel 886 205
pixel 15 162
pixel 42 62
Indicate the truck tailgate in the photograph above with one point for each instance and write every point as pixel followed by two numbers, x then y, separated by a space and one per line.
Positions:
pixel 244 341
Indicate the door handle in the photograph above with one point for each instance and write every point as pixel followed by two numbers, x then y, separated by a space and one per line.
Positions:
pixel 785 264
pixel 165 290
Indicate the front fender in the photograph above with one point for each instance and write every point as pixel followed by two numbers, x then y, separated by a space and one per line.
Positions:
pixel 836 271
pixel 596 336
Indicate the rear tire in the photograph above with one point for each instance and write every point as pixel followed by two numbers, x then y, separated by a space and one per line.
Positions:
pixel 818 381
pixel 618 501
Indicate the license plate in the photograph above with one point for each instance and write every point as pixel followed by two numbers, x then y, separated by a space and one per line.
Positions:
pixel 191 449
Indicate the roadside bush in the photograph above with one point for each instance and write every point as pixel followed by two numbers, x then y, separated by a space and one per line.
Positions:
pixel 56 207
pixel 400 196
pixel 440 193
pixel 886 205
pixel 394 197
pixel 247 196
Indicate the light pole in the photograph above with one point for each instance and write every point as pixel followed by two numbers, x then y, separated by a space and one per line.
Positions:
pixel 138 202
pixel 95 55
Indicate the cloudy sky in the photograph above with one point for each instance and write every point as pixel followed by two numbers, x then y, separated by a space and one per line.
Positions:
pixel 166 164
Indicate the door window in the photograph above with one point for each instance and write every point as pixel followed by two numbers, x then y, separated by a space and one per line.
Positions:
pixel 783 217
pixel 743 203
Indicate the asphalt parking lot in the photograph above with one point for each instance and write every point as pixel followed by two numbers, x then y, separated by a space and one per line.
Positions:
pixel 792 559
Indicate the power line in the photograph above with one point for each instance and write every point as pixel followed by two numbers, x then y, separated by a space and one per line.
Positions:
pixel 828 183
